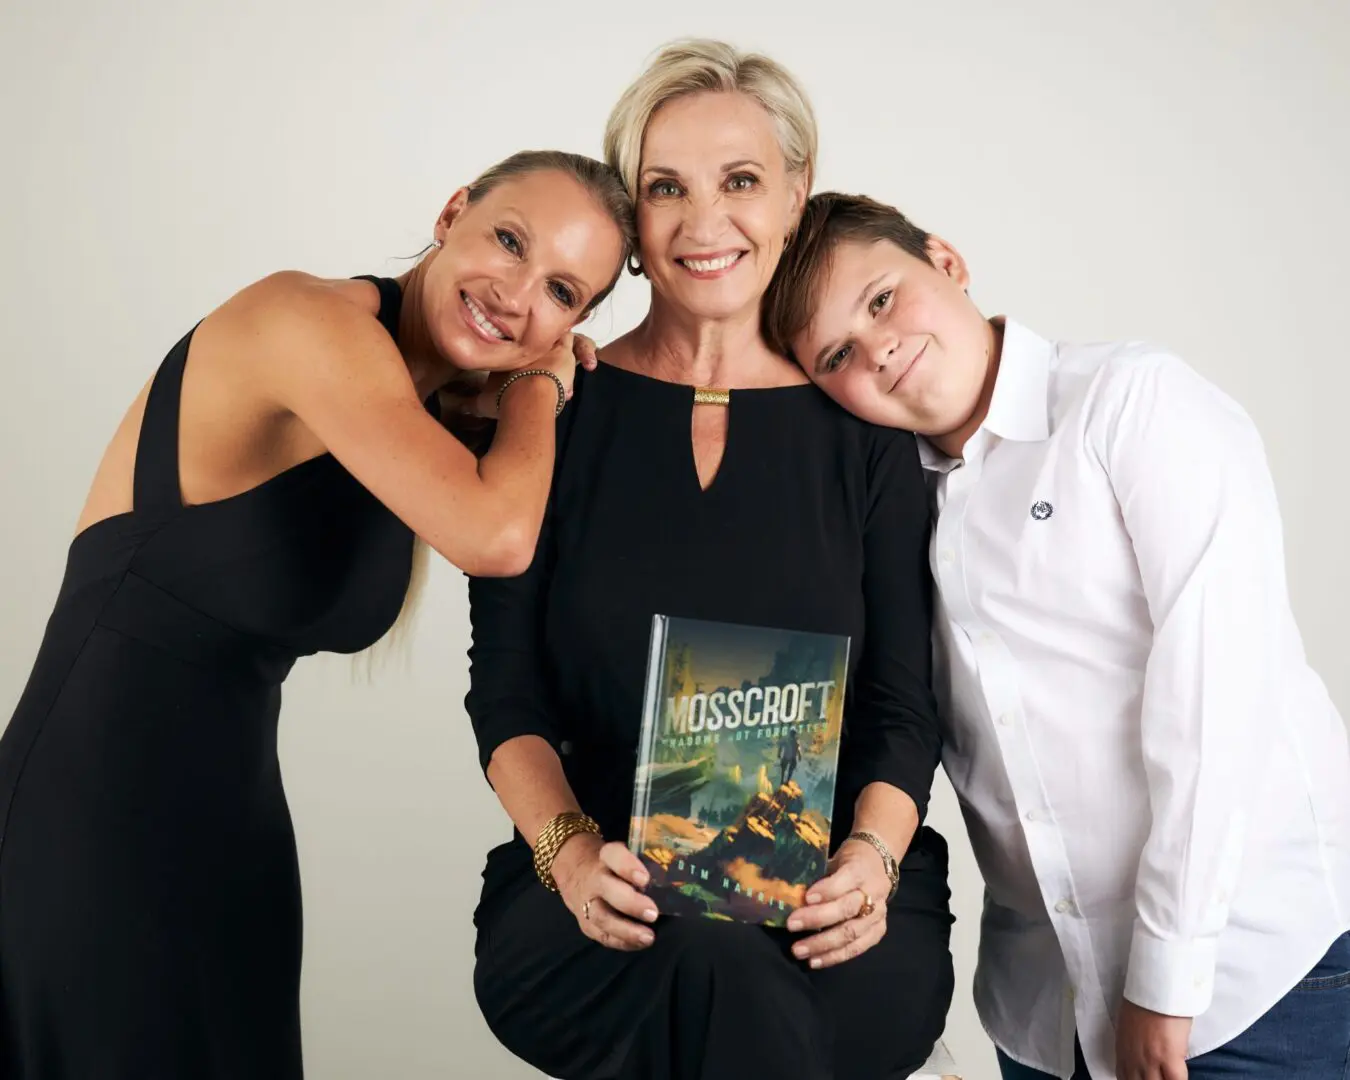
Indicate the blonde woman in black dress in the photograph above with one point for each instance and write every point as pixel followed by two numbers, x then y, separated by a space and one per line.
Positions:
pixel 259 503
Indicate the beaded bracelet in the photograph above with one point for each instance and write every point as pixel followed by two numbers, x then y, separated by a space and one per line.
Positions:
pixel 562 390
pixel 553 836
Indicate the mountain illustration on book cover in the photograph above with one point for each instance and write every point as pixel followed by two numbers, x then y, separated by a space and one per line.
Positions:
pixel 734 790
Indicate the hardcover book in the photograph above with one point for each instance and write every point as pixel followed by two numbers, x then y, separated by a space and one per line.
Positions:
pixel 737 761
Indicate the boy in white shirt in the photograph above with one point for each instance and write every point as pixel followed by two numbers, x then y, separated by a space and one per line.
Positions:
pixel 1156 785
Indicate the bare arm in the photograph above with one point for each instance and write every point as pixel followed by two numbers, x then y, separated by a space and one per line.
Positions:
pixel 889 813
pixel 334 368
pixel 528 778
pixel 598 881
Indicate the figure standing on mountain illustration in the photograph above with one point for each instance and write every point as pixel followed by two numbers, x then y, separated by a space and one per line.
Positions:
pixel 789 753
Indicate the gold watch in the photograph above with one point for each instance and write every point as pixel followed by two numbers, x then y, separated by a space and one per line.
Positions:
pixel 888 862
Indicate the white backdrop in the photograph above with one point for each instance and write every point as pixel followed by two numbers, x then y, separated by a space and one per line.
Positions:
pixel 1166 169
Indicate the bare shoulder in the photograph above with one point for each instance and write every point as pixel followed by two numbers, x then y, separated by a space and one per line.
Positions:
pixel 291 327
pixel 291 302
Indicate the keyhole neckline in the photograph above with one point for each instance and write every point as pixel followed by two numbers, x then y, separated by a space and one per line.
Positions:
pixel 658 383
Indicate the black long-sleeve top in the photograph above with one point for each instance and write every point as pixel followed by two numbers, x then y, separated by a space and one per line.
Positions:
pixel 814 521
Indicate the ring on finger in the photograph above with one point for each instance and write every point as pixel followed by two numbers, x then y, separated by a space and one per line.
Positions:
pixel 867 906
pixel 586 911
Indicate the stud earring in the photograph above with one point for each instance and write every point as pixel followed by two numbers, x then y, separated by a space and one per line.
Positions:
pixel 438 243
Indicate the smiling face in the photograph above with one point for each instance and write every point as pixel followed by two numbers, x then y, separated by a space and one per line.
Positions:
pixel 518 268
pixel 895 339
pixel 715 203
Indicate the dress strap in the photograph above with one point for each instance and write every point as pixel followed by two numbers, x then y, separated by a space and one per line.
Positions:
pixel 155 487
pixel 391 301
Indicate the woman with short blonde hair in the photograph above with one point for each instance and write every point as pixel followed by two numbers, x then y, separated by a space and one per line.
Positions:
pixel 700 475
pixel 699 65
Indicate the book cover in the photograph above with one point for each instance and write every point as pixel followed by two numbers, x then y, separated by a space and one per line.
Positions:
pixel 737 760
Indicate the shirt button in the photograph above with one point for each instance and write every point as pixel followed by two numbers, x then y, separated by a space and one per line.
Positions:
pixel 1070 993
pixel 948 555
pixel 1064 907
pixel 1032 815
pixel 565 747
pixel 1005 718
pixel 986 638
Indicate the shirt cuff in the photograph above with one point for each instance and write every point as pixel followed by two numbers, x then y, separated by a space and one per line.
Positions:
pixel 1175 978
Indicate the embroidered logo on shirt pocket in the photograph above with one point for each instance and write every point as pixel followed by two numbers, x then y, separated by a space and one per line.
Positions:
pixel 1041 510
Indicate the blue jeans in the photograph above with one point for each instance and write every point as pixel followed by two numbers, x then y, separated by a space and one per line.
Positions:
pixel 1304 1036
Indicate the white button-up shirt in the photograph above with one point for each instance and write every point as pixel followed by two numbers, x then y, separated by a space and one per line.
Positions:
pixel 1156 785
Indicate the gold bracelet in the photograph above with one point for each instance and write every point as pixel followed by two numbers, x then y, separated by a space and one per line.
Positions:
pixel 888 862
pixel 562 390
pixel 553 836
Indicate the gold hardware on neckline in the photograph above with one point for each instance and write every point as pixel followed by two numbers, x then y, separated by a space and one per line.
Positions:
pixel 708 395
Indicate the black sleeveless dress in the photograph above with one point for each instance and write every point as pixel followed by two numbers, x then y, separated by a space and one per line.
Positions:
pixel 150 920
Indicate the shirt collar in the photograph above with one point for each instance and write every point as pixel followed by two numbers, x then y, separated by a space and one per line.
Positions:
pixel 933 459
pixel 1020 407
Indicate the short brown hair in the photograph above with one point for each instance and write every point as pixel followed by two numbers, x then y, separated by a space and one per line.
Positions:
pixel 830 219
